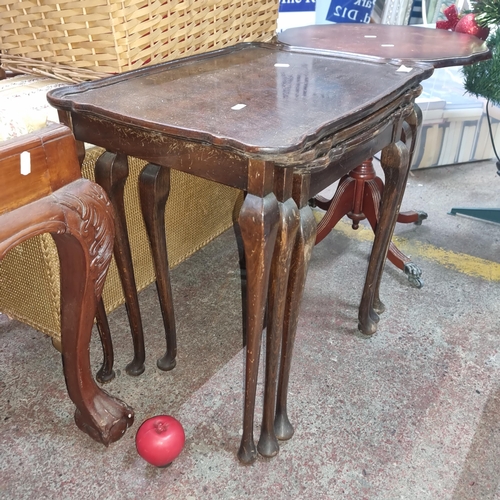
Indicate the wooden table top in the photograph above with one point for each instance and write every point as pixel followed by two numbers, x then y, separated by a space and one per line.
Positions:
pixel 437 47
pixel 249 98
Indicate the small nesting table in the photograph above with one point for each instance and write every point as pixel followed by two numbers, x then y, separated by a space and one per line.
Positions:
pixel 43 192
pixel 262 119
pixel 358 193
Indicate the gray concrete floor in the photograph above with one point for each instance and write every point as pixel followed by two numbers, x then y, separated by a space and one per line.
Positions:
pixel 410 413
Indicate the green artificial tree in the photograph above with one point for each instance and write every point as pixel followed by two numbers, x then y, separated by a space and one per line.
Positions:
pixel 483 78
pixel 487 12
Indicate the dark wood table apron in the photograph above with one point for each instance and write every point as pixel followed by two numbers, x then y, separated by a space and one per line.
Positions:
pixel 261 119
pixel 358 194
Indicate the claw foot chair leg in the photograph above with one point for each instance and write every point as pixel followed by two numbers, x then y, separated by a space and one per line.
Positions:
pixel 79 217
pixel 84 253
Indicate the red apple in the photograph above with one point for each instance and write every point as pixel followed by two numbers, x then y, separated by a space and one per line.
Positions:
pixel 159 440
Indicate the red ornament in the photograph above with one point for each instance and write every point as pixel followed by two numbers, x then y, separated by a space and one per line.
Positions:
pixel 451 14
pixel 467 24
pixel 159 440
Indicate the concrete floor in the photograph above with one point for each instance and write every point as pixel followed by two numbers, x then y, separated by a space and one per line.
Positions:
pixel 410 413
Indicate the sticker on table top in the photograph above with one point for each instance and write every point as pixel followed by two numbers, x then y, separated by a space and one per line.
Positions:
pixel 25 163
pixel 237 107
pixel 281 65
pixel 403 69
pixel 370 36
pixel 387 45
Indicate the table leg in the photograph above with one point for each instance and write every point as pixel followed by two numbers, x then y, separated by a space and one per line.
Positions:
pixel 301 254
pixel 287 230
pixel 80 219
pixel 409 136
pixel 106 372
pixel 154 188
pixel 111 172
pixel 258 223
pixel 358 196
pixel 372 200
pixel 395 163
pixel 414 122
pixel 410 129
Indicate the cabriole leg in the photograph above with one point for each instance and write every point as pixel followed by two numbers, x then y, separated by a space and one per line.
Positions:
pixel 111 172
pixel 395 162
pixel 287 230
pixel 85 253
pixel 80 219
pixel 106 372
pixel 154 188
pixel 258 223
pixel 301 254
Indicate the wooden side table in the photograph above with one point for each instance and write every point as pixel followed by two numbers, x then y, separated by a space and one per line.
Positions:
pixel 43 192
pixel 358 193
pixel 265 120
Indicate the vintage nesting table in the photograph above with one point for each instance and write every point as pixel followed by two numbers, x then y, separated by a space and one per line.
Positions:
pixel 263 119
pixel 358 193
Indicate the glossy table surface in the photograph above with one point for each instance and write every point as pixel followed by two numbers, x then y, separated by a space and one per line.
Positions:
pixel 408 43
pixel 288 99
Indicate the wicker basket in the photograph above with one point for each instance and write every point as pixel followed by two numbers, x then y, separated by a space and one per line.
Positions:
pixel 76 40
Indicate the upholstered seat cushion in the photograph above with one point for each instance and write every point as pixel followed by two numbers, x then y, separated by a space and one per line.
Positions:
pixel 23 105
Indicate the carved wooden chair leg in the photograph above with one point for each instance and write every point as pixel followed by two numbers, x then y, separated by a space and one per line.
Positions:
pixel 395 162
pixel 111 172
pixel 154 188
pixel 287 230
pixel 106 372
pixel 80 219
pixel 258 222
pixel 85 253
pixel 301 254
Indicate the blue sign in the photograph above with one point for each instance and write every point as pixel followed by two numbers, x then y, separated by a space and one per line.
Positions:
pixel 297 5
pixel 350 11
